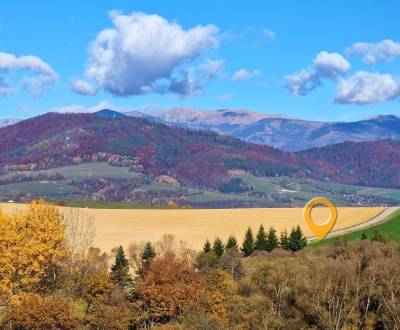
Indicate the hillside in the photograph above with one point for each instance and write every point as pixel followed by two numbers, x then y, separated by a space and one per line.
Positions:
pixel 108 156
pixel 375 163
pixel 198 158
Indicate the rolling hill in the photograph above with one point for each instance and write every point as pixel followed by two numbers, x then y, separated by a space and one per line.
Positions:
pixel 110 156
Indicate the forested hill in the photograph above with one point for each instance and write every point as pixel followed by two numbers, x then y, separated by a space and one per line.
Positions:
pixel 374 163
pixel 197 157
pixel 200 158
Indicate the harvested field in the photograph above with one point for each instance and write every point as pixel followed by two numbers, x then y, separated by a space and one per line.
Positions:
pixel 121 226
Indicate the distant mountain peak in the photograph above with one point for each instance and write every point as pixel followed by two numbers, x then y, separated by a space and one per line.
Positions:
pixel 212 117
pixel 109 114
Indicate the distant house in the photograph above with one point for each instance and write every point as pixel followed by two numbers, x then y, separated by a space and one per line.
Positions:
pixel 11 201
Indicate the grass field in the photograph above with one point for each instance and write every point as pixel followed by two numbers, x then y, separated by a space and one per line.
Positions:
pixel 390 229
pixel 122 226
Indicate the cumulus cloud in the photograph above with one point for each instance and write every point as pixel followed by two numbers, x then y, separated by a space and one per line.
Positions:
pixel 367 88
pixel 82 87
pixel 44 75
pixel 385 50
pixel 244 74
pixel 325 66
pixel 141 53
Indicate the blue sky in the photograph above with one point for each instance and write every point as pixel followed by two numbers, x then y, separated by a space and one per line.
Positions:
pixel 320 60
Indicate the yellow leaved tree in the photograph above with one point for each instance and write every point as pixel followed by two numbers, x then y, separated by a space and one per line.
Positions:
pixel 31 248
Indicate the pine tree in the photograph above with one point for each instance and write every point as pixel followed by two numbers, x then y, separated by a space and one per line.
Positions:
pixel 284 240
pixel 148 254
pixel 248 243
pixel 120 269
pixel 231 243
pixel 272 240
pixel 218 247
pixel 261 239
pixel 297 241
pixel 207 247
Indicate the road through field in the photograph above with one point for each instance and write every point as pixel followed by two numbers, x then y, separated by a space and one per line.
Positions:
pixel 375 220
pixel 123 226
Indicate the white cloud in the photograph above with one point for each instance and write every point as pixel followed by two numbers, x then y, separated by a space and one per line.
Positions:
pixel 385 50
pixel 35 85
pixel 325 66
pixel 141 53
pixel 268 34
pixel 82 87
pixel 78 108
pixel 211 68
pixel 244 74
pixel 367 88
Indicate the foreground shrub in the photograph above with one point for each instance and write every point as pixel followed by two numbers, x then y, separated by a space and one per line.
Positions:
pixel 33 312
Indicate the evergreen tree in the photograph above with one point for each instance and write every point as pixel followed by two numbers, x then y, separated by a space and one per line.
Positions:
pixel 297 241
pixel 261 239
pixel 148 254
pixel 207 247
pixel 231 243
pixel 284 240
pixel 248 243
pixel 218 247
pixel 120 269
pixel 272 240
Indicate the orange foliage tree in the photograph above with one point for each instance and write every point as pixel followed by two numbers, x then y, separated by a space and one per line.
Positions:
pixel 169 287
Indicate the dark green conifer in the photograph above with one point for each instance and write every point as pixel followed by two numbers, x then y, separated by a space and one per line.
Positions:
pixel 218 247
pixel 248 243
pixel 261 239
pixel 231 243
pixel 207 247
pixel 120 269
pixel 272 240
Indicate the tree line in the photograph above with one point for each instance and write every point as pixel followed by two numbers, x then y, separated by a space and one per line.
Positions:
pixel 52 278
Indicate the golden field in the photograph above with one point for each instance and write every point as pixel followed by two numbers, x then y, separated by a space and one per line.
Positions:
pixel 121 227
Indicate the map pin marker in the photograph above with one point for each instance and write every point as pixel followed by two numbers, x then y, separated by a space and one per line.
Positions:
pixel 320 230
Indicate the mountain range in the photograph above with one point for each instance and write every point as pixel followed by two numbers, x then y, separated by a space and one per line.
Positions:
pixel 193 157
pixel 282 132
pixel 275 130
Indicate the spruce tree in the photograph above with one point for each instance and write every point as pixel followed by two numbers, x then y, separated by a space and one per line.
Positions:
pixel 148 254
pixel 120 269
pixel 261 239
pixel 231 243
pixel 218 247
pixel 272 240
pixel 248 243
pixel 207 247
pixel 284 240
pixel 297 241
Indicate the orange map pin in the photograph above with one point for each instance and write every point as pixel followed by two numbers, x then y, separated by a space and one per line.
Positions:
pixel 320 230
